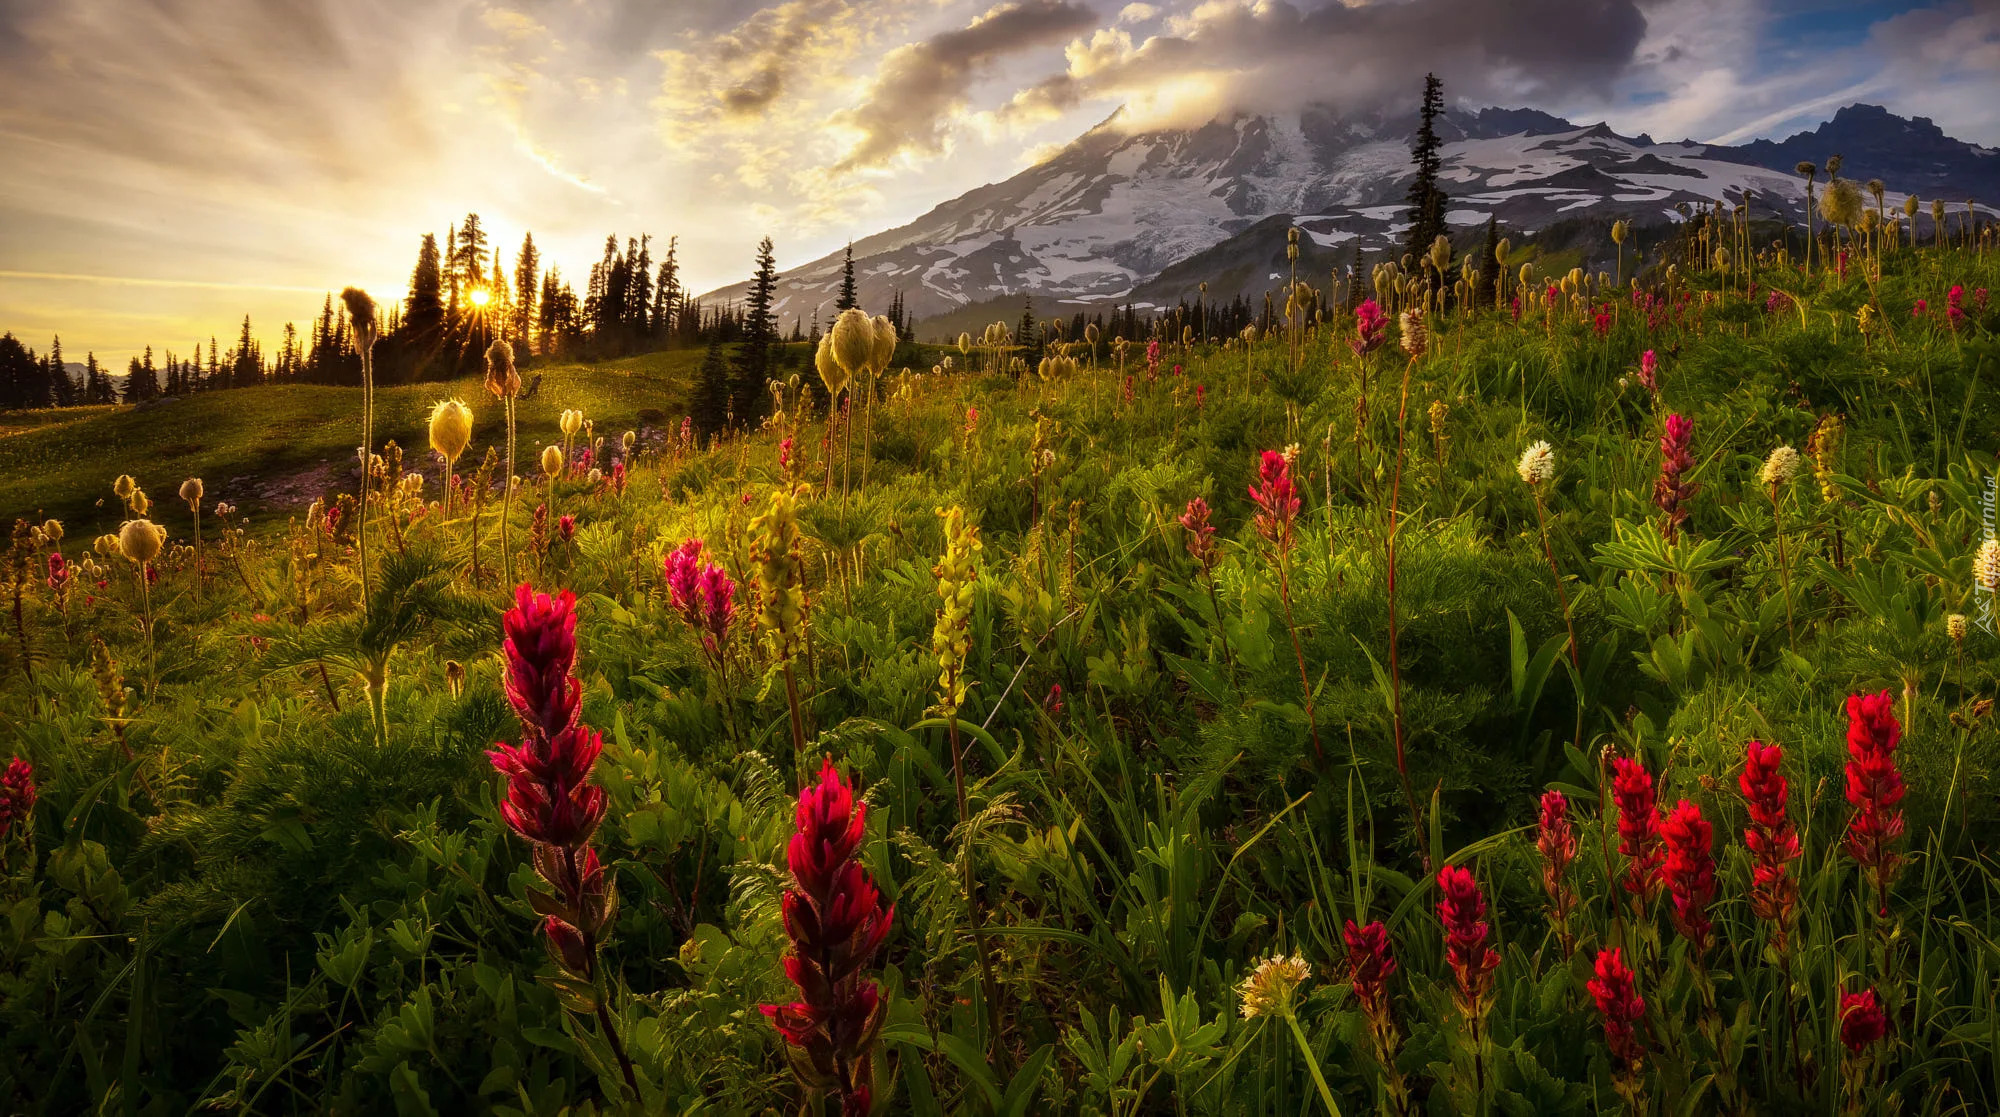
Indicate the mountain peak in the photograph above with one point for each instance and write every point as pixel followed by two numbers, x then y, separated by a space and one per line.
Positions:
pixel 1143 216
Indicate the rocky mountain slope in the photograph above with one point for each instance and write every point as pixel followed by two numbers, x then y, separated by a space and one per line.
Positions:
pixel 1145 217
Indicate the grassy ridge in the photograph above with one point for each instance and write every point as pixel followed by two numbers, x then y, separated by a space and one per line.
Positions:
pixel 242 441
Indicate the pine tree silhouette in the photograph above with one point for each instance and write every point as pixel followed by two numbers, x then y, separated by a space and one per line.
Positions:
pixel 848 299
pixel 1426 199
pixel 753 357
pixel 709 406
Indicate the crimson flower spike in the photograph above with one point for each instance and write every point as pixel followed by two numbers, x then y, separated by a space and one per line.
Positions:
pixel 550 800
pixel 1463 913
pixel 1555 840
pixel 1874 788
pixel 1618 1001
pixel 1671 491
pixel 17 793
pixel 1690 872
pixel 1771 839
pixel 1277 498
pixel 1638 828
pixel 836 921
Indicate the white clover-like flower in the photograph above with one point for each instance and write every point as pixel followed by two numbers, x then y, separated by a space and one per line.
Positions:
pixel 1269 989
pixel 1537 464
pixel 1954 627
pixel 1781 466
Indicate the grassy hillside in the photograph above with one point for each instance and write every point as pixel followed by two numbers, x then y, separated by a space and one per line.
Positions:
pixel 275 448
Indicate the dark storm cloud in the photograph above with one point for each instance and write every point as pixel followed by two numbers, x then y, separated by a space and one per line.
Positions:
pixel 922 84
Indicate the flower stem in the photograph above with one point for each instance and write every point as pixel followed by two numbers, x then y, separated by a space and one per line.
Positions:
pixel 1312 1064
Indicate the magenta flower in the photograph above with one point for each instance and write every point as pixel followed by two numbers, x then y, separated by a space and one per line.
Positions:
pixel 1277 498
pixel 1463 912
pixel 1618 1001
pixel 1370 965
pixel 1371 328
pixel 17 793
pixel 1649 372
pixel 1672 491
pixel 1555 840
pixel 1771 839
pixel 1638 827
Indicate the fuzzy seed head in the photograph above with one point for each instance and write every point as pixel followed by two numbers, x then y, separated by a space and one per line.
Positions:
pixel 853 338
pixel 570 422
pixel 552 461
pixel 501 377
pixel 191 490
pixel 885 344
pixel 140 541
pixel 450 428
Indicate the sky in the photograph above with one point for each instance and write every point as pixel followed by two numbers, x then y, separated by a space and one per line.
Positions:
pixel 167 166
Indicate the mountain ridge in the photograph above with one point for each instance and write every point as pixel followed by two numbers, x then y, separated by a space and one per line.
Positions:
pixel 1106 219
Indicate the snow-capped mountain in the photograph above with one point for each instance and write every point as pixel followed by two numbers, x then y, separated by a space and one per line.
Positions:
pixel 1145 217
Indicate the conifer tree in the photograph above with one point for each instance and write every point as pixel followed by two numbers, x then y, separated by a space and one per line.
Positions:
pixel 753 357
pixel 527 262
pixel 667 293
pixel 96 386
pixel 710 405
pixel 1427 200
pixel 848 298
pixel 62 390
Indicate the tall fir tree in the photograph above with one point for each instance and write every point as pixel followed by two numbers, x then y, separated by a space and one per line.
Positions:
pixel 96 386
pixel 62 390
pixel 848 299
pixel 709 406
pixel 667 293
pixel 1426 198
pixel 753 357
pixel 421 336
pixel 526 263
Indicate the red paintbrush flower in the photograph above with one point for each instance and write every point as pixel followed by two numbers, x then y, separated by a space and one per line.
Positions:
pixel 1874 787
pixel 1555 839
pixel 1690 872
pixel 17 793
pixel 1671 491
pixel 1370 963
pixel 836 921
pixel 1638 828
pixel 1771 839
pixel 1462 910
pixel 1619 1002
pixel 540 654
pixel 550 800
pixel 1277 498
pixel 1371 328
pixel 1200 535
pixel 1862 1021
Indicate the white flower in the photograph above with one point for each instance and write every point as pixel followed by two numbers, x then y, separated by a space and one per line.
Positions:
pixel 1781 466
pixel 1269 988
pixel 1537 464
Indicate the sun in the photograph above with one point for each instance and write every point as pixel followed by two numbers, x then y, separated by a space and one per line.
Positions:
pixel 480 296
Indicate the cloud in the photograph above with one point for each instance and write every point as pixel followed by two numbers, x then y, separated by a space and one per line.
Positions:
pixel 1266 55
pixel 922 84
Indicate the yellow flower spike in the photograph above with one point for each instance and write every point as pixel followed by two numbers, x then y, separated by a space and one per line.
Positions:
pixel 957 575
